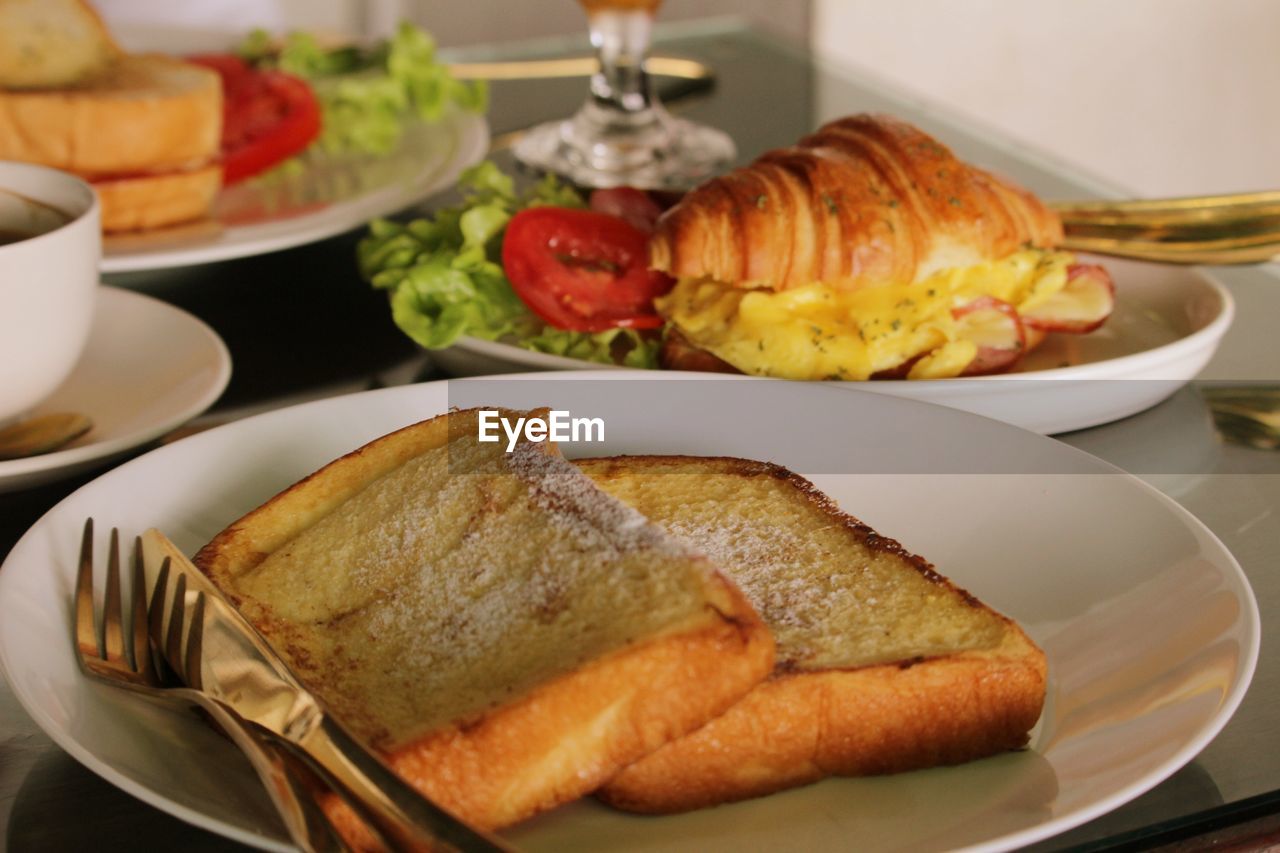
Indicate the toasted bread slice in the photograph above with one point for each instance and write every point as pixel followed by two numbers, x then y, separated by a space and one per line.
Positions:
pixel 505 633
pixel 882 664
pixel 51 43
pixel 143 202
pixel 145 114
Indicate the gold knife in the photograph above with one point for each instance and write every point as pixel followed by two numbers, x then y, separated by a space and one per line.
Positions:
pixel 240 669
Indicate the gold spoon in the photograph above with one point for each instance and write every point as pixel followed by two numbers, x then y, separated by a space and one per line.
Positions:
pixel 42 434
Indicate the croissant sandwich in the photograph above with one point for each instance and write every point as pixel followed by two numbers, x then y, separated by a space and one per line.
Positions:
pixel 867 250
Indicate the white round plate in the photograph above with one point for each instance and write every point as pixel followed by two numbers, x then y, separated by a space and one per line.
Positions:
pixel 147 368
pixel 330 195
pixel 1150 627
pixel 1166 326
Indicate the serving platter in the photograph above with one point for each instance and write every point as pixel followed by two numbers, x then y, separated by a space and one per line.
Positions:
pixel 1149 624
pixel 326 195
pixel 1167 324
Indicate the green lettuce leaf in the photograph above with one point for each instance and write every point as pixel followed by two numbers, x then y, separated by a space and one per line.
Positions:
pixel 613 346
pixel 444 277
pixel 368 95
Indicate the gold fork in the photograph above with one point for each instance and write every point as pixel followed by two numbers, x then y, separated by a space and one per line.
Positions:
pixel 234 665
pixel 105 656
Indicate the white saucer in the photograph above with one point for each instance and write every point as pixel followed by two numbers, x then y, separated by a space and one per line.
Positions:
pixel 147 368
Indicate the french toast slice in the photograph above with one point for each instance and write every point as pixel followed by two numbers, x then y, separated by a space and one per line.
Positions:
pixel 504 633
pixel 50 43
pixel 143 114
pixel 883 665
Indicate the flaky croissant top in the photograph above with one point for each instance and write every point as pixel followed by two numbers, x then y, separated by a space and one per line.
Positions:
pixel 866 200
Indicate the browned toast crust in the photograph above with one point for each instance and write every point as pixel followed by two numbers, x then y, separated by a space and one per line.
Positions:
pixel 568 737
pixel 801 727
pixel 144 202
pixel 545 745
pixel 804 723
pixel 147 113
pixel 602 468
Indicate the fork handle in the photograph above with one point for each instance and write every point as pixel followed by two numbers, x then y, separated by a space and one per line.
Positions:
pixel 281 773
pixel 406 820
pixel 1231 229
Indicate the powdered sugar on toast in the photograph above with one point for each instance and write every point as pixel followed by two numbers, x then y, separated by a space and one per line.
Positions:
pixel 583 509
pixel 462 578
pixel 834 592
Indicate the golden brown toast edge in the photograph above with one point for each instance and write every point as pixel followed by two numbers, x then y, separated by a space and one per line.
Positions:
pixel 570 735
pixel 522 758
pixel 24 63
pixel 247 541
pixel 145 202
pixel 102 128
pixel 801 726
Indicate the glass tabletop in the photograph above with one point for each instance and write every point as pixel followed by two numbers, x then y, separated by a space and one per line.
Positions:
pixel 301 324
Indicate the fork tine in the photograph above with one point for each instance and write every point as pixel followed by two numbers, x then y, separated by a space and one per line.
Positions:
pixel 156 623
pixel 140 647
pixel 112 633
pixel 173 643
pixel 86 635
pixel 195 644
pixel 155 616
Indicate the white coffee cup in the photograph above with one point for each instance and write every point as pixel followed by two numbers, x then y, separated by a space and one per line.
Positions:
pixel 50 247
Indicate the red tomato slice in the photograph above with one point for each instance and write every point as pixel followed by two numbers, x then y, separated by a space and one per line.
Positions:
pixel 635 206
pixel 582 270
pixel 267 116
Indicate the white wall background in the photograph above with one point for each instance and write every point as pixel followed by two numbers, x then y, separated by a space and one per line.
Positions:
pixel 1161 96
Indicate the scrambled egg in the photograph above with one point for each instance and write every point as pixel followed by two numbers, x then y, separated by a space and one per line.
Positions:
pixel 816 332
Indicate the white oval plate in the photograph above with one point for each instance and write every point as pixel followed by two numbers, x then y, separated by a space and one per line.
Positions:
pixel 146 369
pixel 1150 627
pixel 331 194
pixel 1167 324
